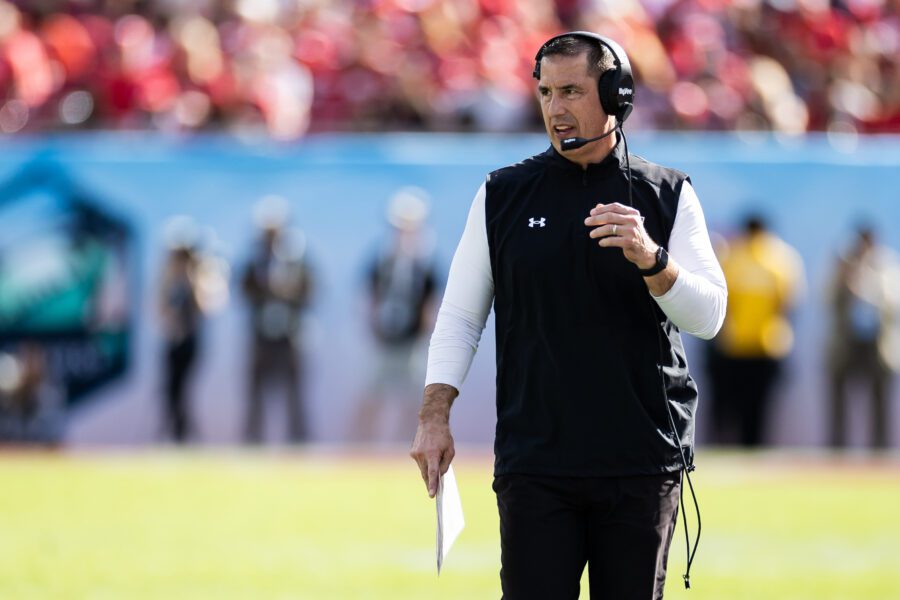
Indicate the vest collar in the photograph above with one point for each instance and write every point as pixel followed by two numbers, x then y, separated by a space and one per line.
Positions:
pixel 611 164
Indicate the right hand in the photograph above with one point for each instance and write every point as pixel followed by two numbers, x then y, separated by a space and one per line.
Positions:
pixel 433 450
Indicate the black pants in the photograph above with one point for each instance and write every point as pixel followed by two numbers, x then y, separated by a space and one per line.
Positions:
pixel 179 363
pixel 742 391
pixel 860 363
pixel 551 526
pixel 275 361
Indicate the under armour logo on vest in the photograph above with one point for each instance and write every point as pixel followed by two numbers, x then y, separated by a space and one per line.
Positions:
pixel 539 222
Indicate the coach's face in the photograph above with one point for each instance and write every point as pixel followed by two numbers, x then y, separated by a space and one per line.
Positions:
pixel 570 104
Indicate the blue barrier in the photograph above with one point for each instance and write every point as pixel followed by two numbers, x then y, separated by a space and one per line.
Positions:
pixel 813 189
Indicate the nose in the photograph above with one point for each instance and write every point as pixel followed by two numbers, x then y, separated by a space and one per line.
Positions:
pixel 556 106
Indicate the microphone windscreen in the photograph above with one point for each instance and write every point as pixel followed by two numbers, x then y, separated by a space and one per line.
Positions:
pixel 572 143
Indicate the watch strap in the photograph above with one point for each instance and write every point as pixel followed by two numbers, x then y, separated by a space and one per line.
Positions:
pixel 662 261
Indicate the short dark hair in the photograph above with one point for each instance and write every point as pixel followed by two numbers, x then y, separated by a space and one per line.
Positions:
pixel 600 59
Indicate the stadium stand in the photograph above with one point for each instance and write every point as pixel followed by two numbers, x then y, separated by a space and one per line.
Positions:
pixel 261 67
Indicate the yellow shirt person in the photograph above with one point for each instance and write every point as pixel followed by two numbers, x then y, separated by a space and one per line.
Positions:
pixel 765 279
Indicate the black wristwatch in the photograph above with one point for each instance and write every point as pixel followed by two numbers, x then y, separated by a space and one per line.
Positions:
pixel 662 259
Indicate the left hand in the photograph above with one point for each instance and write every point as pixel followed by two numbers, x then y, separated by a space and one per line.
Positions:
pixel 623 227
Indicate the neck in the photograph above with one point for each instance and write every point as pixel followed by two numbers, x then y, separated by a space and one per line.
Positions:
pixel 594 152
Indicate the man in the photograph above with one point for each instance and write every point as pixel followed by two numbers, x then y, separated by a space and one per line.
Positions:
pixel 277 284
pixel 181 315
pixel 863 342
pixel 193 285
pixel 587 465
pixel 765 280
pixel 402 282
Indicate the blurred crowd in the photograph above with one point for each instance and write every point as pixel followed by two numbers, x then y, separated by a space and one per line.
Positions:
pixel 278 283
pixel 284 67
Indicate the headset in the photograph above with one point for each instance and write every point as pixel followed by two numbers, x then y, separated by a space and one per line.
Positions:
pixel 616 86
pixel 616 90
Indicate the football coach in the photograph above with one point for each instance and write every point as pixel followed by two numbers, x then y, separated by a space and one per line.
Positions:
pixel 594 260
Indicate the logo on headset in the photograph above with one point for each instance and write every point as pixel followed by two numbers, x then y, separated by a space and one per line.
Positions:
pixel 625 91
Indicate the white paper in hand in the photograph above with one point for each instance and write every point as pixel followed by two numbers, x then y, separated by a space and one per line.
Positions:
pixel 450 520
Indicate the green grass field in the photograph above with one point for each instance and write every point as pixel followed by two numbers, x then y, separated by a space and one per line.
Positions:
pixel 319 524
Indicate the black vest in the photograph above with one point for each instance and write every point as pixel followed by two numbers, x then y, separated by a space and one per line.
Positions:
pixel 579 339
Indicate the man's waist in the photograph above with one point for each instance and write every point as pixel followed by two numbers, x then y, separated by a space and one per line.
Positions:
pixel 611 464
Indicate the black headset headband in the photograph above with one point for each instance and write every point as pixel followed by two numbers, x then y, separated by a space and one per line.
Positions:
pixel 616 87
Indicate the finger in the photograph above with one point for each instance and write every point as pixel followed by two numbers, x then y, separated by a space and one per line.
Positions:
pixel 615 242
pixel 445 460
pixel 605 218
pixel 420 462
pixel 623 231
pixel 606 231
pixel 615 207
pixel 433 465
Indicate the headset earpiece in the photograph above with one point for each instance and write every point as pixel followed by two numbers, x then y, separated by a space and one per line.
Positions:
pixel 615 87
pixel 609 95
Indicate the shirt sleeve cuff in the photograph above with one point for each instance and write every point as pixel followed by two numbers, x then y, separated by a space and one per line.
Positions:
pixel 445 378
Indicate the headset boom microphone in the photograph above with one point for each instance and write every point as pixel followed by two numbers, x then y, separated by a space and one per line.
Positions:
pixel 577 142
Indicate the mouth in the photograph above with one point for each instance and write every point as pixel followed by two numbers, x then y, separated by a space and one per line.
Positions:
pixel 563 131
